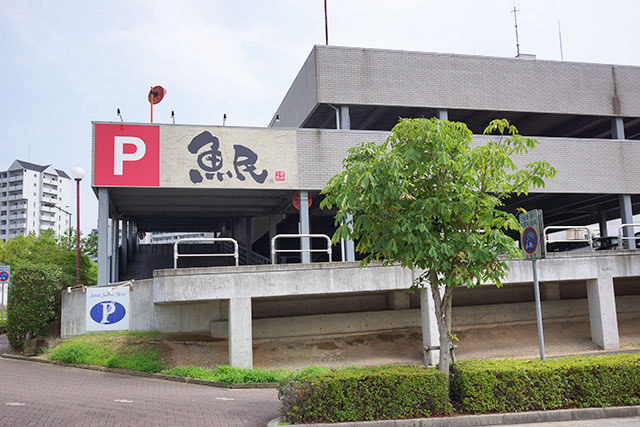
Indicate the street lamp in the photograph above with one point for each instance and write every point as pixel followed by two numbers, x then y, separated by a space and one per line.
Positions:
pixel 78 174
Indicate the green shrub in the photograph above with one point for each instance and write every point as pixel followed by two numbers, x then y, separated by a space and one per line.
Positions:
pixel 481 386
pixel 359 394
pixel 127 350
pixel 233 375
pixel 3 326
pixel 31 301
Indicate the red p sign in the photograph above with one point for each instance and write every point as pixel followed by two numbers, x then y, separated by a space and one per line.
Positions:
pixel 126 155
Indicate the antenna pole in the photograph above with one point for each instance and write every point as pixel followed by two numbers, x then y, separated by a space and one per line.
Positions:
pixel 560 37
pixel 326 24
pixel 152 99
pixel 515 18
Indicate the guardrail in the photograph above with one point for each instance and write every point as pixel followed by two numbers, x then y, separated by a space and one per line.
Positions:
pixel 622 238
pixel 275 251
pixel 176 254
pixel 589 239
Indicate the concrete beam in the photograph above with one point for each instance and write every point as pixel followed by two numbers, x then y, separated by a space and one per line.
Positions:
pixel 240 337
pixel 602 313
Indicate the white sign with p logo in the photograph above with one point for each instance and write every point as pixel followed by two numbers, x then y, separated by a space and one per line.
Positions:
pixel 107 309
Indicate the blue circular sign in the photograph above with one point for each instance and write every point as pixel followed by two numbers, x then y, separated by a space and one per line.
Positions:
pixel 529 240
pixel 107 312
pixel 4 276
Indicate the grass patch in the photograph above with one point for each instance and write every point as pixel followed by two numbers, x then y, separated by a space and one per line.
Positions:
pixel 231 375
pixel 127 350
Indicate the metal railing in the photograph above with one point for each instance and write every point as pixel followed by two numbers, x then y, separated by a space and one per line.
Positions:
pixel 248 257
pixel 275 251
pixel 588 240
pixel 622 238
pixel 176 254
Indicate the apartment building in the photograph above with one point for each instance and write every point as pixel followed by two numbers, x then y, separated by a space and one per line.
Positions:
pixel 33 198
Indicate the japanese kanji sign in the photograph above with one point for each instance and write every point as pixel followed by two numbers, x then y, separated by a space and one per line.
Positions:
pixel 191 156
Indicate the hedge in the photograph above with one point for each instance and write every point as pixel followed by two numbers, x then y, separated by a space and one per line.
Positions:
pixel 360 394
pixel 31 301
pixel 481 386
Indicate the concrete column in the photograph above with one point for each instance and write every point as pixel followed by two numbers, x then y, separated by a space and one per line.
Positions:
pixel 430 334
pixel 114 249
pixel 240 340
pixel 345 117
pixel 602 313
pixel 603 224
pixel 398 300
pixel 272 230
pixel 125 249
pixel 304 226
pixel 129 240
pixel 617 128
pixel 626 216
pixel 103 236
pixel 118 252
pixel 246 233
pixel 443 114
pixel 550 291
pixel 349 245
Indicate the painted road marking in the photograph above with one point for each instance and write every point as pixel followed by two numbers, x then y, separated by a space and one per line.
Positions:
pixel 123 401
pixel 14 404
pixel 224 398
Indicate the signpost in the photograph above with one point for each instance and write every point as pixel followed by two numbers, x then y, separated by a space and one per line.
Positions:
pixel 5 277
pixel 532 243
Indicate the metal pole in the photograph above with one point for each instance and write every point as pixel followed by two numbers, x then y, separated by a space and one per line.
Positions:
pixel 2 303
pixel 78 234
pixel 326 24
pixel 536 287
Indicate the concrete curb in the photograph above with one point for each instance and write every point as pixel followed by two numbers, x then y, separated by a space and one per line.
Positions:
pixel 185 380
pixel 493 419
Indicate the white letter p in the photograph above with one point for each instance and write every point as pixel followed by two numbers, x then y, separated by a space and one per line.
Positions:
pixel 107 309
pixel 119 156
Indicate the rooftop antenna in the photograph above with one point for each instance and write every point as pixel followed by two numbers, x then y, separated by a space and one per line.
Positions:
pixel 173 117
pixel 515 18
pixel 118 114
pixel 560 37
pixel 224 119
pixel 326 24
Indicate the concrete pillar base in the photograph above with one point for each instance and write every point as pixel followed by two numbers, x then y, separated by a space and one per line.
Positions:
pixel 602 313
pixel 240 336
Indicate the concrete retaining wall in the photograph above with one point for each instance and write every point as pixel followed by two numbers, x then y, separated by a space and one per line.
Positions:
pixel 463 318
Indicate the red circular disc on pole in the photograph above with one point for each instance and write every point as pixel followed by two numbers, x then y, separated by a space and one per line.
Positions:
pixel 296 201
pixel 156 94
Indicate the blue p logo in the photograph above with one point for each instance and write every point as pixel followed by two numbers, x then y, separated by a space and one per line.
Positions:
pixel 107 312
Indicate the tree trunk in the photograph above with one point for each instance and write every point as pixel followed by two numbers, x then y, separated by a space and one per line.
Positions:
pixel 442 304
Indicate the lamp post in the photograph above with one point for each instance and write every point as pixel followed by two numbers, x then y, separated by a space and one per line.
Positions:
pixel 78 174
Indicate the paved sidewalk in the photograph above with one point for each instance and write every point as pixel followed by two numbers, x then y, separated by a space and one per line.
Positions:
pixel 36 394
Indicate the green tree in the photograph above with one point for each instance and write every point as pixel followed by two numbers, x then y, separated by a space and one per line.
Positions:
pixel 49 249
pixel 430 201
pixel 32 301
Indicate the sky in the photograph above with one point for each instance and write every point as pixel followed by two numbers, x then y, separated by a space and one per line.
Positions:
pixel 68 62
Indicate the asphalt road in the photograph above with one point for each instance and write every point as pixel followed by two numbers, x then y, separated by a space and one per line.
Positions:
pixel 36 394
